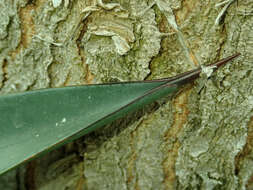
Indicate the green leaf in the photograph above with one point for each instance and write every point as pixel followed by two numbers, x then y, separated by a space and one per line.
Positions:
pixel 33 122
pixel 38 121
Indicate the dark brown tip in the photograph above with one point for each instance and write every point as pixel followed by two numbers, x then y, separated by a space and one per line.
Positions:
pixel 225 60
pixel 193 74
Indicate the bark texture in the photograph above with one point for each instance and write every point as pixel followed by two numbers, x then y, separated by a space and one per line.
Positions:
pixel 202 138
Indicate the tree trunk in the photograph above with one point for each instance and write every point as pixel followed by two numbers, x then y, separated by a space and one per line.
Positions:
pixel 201 138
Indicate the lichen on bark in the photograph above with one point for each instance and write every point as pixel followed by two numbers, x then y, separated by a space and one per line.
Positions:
pixel 199 139
pixel 127 58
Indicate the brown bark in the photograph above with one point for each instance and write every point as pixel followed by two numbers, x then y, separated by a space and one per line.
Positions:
pixel 200 138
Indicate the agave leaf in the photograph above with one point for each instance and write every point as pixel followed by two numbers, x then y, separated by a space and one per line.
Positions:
pixel 38 121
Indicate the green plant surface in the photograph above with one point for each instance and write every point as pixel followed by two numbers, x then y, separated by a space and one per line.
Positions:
pixel 38 121
pixel 32 122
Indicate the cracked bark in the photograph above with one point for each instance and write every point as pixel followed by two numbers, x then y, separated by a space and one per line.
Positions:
pixel 200 138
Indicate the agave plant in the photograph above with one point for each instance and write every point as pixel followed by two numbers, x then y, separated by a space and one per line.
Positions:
pixel 38 121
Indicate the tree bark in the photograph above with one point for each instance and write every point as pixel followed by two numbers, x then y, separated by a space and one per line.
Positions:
pixel 201 138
